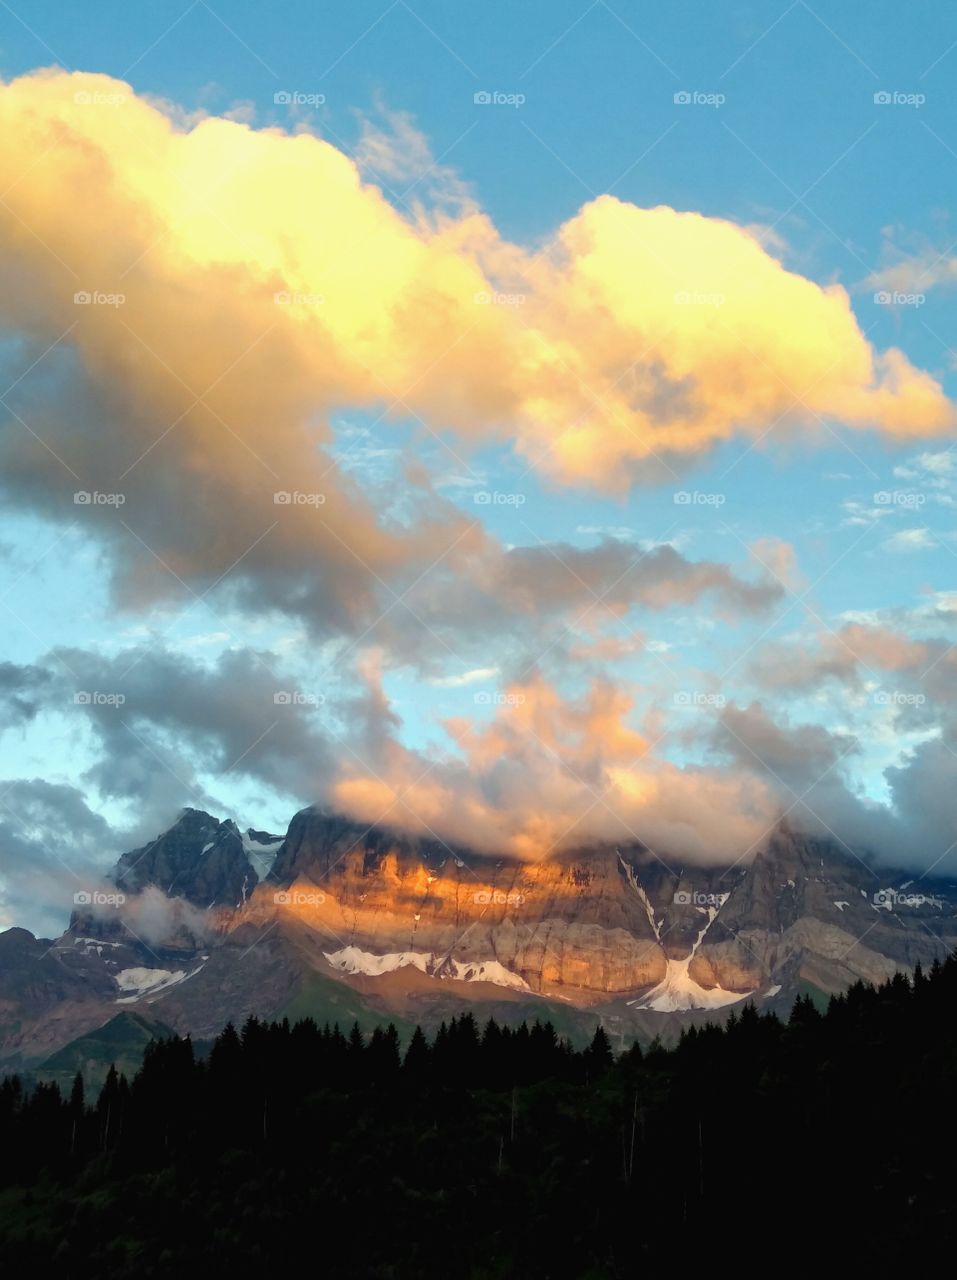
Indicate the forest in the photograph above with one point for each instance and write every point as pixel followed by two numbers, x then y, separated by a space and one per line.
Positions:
pixel 492 1152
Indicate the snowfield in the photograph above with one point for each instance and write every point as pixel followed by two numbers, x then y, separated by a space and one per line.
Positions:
pixel 352 960
pixel 678 990
pixel 141 982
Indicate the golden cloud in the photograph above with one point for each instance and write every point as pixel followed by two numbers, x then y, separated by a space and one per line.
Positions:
pixel 635 334
pixel 545 773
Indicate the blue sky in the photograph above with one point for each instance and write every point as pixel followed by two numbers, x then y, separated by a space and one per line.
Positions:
pixel 829 128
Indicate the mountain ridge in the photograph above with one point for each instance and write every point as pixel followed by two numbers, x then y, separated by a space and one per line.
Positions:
pixel 407 927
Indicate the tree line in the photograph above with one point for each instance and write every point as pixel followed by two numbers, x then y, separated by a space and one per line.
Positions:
pixel 495 1151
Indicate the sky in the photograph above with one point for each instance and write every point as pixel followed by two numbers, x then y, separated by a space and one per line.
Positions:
pixel 528 425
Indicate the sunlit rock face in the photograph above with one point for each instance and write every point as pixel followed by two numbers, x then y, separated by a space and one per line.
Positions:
pixel 602 921
pixel 338 918
pixel 571 921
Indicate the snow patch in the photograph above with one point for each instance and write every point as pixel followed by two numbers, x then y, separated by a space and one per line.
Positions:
pixel 139 982
pixel 645 900
pixel 678 990
pixel 353 960
pixel 262 854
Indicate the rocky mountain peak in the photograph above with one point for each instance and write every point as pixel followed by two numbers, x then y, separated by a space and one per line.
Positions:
pixel 200 858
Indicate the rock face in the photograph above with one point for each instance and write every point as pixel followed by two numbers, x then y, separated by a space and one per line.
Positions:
pixel 605 921
pixel 570 922
pixel 199 859
pixel 337 919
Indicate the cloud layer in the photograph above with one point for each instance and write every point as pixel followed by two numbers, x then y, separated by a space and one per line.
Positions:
pixel 193 301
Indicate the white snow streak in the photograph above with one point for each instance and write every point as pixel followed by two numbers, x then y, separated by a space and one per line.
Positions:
pixel 352 960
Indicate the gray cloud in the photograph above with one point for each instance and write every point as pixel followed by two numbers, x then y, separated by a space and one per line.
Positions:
pixel 51 845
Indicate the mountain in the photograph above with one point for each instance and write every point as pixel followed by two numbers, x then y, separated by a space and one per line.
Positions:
pixel 207 862
pixel 119 1042
pixel 347 923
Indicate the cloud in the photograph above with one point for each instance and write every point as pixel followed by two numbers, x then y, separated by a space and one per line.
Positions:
pixel 198 299
pixel 547 773
pixel 154 918
pixel 924 791
pixel 529 600
pixel 21 691
pixel 910 540
pixel 913 272
pixel 51 845
pixel 466 678
pixel 200 396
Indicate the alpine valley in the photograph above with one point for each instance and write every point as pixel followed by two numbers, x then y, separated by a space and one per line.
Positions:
pixel 344 923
